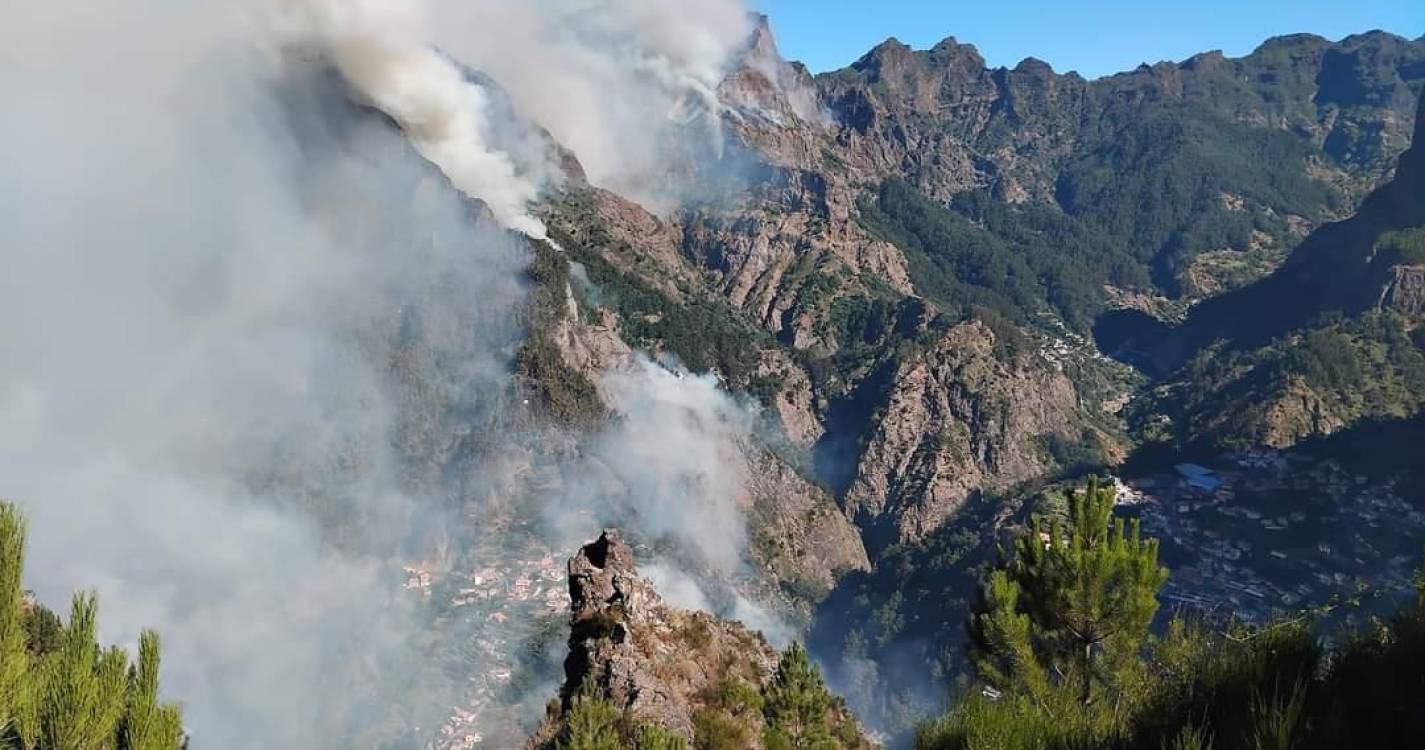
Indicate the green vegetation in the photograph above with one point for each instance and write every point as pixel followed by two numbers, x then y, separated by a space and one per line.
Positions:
pixel 593 723
pixel 701 329
pixel 978 257
pixel 1193 687
pixel 1143 199
pixel 797 705
pixel 1353 369
pixel 962 268
pixel 794 711
pixel 562 393
pixel 1156 183
pixel 1071 609
pixel 703 332
pixel 1404 247
pixel 61 690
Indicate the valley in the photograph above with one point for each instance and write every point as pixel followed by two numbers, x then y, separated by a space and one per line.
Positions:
pixel 623 385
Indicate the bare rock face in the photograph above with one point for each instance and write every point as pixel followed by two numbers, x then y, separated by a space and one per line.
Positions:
pixel 761 252
pixel 655 663
pixel 958 419
pixel 949 123
pixel 808 540
pixel 798 531
pixel 697 676
pixel 1405 294
pixel 794 402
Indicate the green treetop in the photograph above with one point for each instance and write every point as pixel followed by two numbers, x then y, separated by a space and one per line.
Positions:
pixel 797 705
pixel 1071 609
pixel 59 689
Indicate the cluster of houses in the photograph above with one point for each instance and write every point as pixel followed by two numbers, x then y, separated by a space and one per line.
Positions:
pixel 498 604
pixel 1265 532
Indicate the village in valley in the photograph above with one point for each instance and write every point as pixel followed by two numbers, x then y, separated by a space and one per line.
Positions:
pixel 508 608
pixel 1246 536
pixel 1265 532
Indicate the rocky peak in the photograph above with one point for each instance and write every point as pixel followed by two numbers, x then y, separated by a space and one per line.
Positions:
pixel 1211 60
pixel 949 52
pixel 603 581
pixel 890 52
pixel 772 104
pixel 650 660
pixel 1292 41
pixel 654 664
pixel 1033 66
pixel 762 44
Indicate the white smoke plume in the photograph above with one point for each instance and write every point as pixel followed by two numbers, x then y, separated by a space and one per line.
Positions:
pixel 383 50
pixel 237 307
pixel 622 83
pixel 630 86
pixel 209 254
pixel 675 447
pixel 672 466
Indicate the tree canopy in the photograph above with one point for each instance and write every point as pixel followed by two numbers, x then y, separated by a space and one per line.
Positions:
pixel 59 688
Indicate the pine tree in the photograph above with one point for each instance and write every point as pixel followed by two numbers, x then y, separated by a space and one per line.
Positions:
pixel 796 705
pixel 593 722
pixel 14 656
pixel 149 724
pixel 654 737
pixel 1072 608
pixel 81 689
pixel 59 690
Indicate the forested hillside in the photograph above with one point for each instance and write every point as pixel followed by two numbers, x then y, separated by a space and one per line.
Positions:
pixel 1331 339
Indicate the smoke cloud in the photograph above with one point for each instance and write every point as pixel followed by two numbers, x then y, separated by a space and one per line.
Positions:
pixel 628 85
pixel 214 265
pixel 676 448
pixel 381 48
pixel 252 333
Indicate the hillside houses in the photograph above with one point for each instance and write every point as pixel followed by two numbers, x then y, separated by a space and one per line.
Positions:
pixel 1268 531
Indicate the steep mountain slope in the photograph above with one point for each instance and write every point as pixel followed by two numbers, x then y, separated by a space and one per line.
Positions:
pixel 959 420
pixel 859 286
pixel 1329 339
pixel 1171 160
pixel 899 261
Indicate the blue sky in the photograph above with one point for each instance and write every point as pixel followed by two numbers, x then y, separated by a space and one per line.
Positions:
pixel 1094 37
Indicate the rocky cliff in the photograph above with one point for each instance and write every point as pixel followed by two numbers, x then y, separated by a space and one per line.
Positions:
pixel 652 667
pixel 919 374
pixel 960 419
pixel 765 276
pixel 943 117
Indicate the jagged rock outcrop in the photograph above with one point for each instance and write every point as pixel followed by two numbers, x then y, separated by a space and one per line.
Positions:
pixel 650 659
pixel 798 532
pixel 658 665
pixel 780 239
pixel 959 419
pixel 1405 292
pixel 804 541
